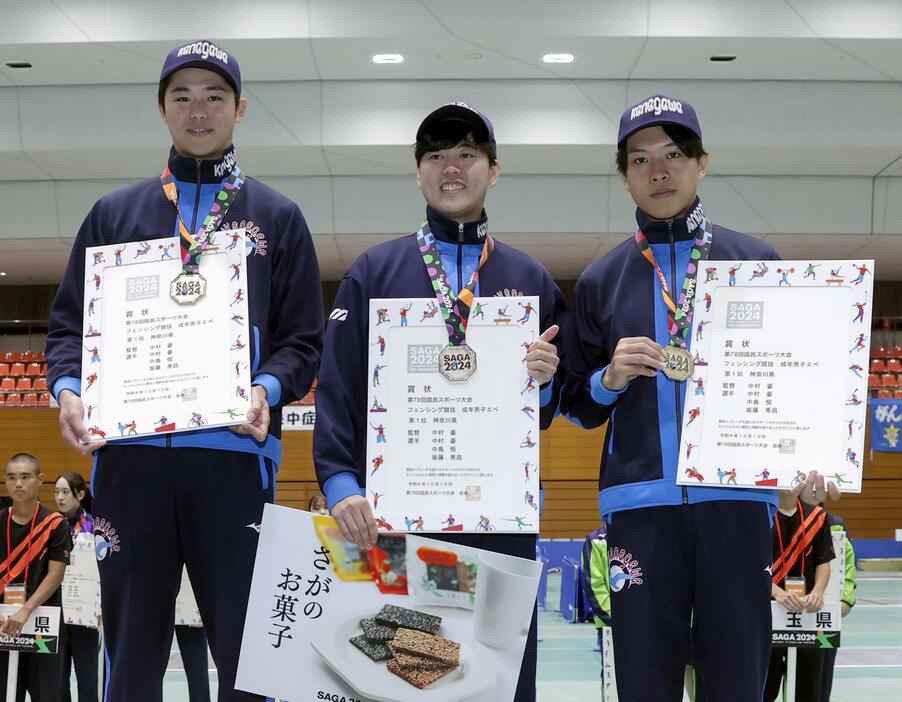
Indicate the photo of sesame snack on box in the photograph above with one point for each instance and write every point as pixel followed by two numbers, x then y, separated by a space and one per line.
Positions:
pixel 441 574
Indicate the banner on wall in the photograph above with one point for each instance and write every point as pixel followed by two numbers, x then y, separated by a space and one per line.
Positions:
pixel 886 424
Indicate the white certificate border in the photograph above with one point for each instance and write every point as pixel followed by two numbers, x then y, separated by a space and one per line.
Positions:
pixel 465 522
pixel 770 274
pixel 164 248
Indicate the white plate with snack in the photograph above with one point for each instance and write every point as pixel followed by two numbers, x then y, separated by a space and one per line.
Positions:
pixel 373 680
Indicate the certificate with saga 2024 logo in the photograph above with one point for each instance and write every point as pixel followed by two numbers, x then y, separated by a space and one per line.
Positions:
pixel 779 385
pixel 151 365
pixel 444 454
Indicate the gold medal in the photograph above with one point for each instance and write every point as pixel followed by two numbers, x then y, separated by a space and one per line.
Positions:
pixel 678 364
pixel 187 288
pixel 457 363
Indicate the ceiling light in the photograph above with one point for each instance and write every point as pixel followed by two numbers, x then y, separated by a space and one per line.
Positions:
pixel 2 273
pixel 558 58
pixel 388 58
pixel 473 56
pixel 18 64
pixel 723 58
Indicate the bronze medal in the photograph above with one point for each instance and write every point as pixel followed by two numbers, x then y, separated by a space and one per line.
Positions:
pixel 457 363
pixel 678 364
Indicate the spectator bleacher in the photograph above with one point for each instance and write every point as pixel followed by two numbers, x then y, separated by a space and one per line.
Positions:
pixel 23 379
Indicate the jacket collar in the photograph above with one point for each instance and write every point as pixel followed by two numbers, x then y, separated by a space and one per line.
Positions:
pixel 448 230
pixel 659 231
pixel 187 169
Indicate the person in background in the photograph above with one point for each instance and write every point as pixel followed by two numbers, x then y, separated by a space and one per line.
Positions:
pixel 193 647
pixel 318 505
pixel 802 549
pixel 81 644
pixel 34 552
pixel 594 574
pixel 847 601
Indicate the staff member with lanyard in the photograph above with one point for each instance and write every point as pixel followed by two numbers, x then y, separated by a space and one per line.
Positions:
pixel 802 551
pixel 34 553
pixel 209 486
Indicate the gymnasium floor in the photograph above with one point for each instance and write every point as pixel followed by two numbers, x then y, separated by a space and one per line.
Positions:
pixel 868 667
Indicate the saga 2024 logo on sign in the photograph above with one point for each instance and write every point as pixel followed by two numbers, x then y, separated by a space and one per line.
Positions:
pixel 423 358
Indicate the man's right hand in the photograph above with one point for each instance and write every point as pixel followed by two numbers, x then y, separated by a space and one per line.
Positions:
pixel 355 519
pixel 634 356
pixel 72 427
pixel 789 600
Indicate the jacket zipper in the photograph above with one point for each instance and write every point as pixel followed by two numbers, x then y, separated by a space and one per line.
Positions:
pixel 676 385
pixel 460 257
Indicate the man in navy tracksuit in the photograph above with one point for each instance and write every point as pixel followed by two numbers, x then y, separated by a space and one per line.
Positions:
pixel 194 497
pixel 688 565
pixel 456 165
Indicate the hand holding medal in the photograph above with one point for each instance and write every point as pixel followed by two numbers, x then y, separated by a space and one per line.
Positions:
pixel 634 357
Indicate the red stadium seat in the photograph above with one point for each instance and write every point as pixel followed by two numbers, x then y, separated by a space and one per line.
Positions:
pixel 30 399
pixel 33 369
pixel 881 352
pixel 44 399
pixel 40 356
pixel 2 400
pixel 873 380
pixel 26 356
pixel 884 394
pixel 39 385
pixel 4 370
pixel 17 369
pixel 23 385
pixel 894 365
pixel 897 394
pixel 11 356
pixel 888 380
pixel 8 385
pixel 878 365
pixel 13 400
pixel 897 352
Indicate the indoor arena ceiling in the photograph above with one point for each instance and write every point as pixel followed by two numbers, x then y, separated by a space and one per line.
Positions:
pixel 803 126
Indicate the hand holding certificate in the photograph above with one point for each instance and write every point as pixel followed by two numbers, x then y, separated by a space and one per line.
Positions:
pixel 780 374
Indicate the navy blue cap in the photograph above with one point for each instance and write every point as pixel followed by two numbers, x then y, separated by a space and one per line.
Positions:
pixel 202 53
pixel 483 130
pixel 657 109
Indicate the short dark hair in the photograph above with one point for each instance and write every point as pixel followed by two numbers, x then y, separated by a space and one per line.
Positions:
pixel 447 135
pixel 77 484
pixel 685 139
pixel 23 457
pixel 164 84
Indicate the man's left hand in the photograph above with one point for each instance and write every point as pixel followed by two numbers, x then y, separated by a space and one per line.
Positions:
pixel 257 424
pixel 813 602
pixel 542 358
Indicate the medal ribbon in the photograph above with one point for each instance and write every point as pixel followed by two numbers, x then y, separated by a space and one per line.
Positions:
pixel 194 247
pixel 455 310
pixel 679 318
pixel 801 540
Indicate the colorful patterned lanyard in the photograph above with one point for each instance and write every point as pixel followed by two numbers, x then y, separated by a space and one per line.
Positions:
pixel 456 311
pixel 679 319
pixel 194 247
